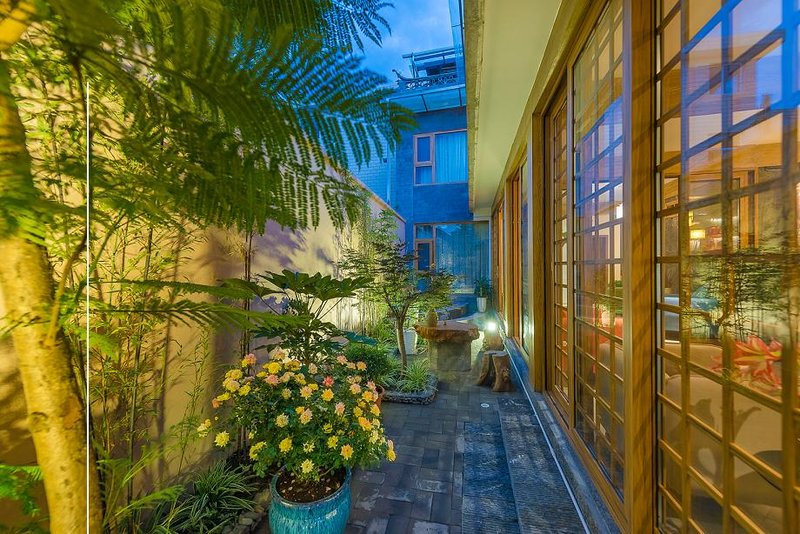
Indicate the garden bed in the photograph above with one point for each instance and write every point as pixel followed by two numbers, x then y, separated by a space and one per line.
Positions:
pixel 425 396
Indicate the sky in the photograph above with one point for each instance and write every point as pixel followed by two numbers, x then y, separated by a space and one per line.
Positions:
pixel 416 25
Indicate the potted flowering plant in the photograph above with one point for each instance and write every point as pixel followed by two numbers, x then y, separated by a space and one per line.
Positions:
pixel 315 421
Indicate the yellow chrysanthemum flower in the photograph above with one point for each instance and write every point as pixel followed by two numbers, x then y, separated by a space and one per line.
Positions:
pixel 327 428
pixel 254 450
pixel 346 452
pixel 305 417
pixel 204 427
pixel 286 394
pixel 358 412
pixel 307 466
pixel 234 374
pixel 327 395
pixel 285 445
pixel 244 390
pixel 361 366
pixel 308 446
pixel 364 423
pixel 222 439
pixel 355 389
pixel 375 410
pixel 306 392
pixel 273 367
pixel 282 420
pixel 390 455
pixel 333 441
pixel 367 396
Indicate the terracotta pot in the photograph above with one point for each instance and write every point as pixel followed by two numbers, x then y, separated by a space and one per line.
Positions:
pixel 381 394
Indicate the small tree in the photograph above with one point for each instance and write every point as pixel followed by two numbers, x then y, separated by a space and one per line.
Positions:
pixel 397 283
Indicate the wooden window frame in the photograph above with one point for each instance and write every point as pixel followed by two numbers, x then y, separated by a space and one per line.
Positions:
pixel 636 513
pixel 432 162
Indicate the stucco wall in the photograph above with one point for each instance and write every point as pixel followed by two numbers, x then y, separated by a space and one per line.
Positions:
pixel 218 254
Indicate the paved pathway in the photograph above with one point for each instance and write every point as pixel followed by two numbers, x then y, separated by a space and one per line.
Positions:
pixel 452 472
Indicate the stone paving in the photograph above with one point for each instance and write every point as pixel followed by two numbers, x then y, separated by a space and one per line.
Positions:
pixel 452 472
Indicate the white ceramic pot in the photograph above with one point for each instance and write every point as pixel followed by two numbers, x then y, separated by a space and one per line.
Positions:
pixel 482 304
pixel 410 338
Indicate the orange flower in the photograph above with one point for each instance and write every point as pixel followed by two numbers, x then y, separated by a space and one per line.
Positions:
pixel 346 452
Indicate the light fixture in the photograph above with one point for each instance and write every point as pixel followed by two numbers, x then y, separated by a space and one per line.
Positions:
pixel 697 234
pixel 491 326
pixel 618 211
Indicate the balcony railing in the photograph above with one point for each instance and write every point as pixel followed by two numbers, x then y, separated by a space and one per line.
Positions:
pixel 426 82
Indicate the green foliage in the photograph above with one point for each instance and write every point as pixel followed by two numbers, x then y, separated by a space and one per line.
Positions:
pixel 17 483
pixel 202 112
pixel 412 379
pixel 404 290
pixel 377 358
pixel 217 498
pixel 483 287
pixel 308 299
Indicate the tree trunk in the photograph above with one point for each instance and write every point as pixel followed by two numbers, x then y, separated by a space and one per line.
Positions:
pixel 56 412
pixel 401 340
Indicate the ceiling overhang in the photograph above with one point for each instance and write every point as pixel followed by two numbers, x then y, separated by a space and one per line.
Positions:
pixel 504 45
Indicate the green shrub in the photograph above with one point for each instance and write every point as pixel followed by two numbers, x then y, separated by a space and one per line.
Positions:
pixel 377 358
pixel 219 496
pixel 414 379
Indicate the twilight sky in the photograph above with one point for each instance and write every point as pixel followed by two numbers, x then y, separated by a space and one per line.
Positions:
pixel 416 25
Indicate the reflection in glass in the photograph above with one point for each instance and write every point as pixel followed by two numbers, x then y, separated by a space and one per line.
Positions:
pixel 598 214
pixel 728 264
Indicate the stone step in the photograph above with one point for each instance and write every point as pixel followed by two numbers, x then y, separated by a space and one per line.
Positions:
pixel 488 502
pixel 543 502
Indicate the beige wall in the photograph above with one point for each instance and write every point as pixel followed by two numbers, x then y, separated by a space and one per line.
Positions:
pixel 218 255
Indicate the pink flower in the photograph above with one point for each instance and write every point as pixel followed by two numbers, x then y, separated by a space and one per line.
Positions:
pixel 341 359
pixel 339 408
pixel 250 359
pixel 328 381
pixel 272 380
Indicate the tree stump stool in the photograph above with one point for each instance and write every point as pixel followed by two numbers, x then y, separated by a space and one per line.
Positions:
pixel 492 342
pixel 486 375
pixel 502 372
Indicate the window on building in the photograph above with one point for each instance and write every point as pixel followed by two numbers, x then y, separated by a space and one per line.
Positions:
pixel 459 248
pixel 440 158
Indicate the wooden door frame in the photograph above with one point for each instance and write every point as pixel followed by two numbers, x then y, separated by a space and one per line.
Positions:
pixel 637 512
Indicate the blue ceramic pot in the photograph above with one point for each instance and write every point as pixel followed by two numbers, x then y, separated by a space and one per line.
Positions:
pixel 326 516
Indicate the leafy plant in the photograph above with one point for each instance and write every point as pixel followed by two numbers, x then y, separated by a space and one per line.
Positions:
pixel 376 358
pixel 16 484
pixel 201 112
pixel 217 497
pixel 404 290
pixel 483 288
pixel 309 299
pixel 414 378
pixel 309 418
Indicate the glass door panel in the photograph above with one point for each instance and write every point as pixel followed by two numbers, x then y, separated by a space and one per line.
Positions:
pixel 727 266
pixel 558 379
pixel 597 240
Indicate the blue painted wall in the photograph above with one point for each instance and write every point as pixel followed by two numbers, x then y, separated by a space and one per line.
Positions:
pixel 428 203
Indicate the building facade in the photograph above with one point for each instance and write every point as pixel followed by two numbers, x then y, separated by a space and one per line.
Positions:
pixel 425 179
pixel 646 265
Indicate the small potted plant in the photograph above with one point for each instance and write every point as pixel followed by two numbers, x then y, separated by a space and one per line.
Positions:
pixel 314 422
pixel 483 290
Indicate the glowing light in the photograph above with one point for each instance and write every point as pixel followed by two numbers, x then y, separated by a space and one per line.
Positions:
pixel 491 326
